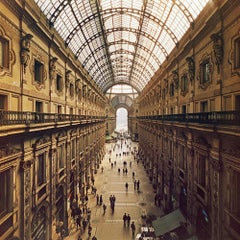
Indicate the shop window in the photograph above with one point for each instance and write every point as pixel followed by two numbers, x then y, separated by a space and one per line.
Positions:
pixel 61 156
pixel 235 199
pixel 73 145
pixel 202 170
pixel 41 170
pixel 4 53
pixel 38 72
pixel 182 157
pixel 5 192
pixel 237 54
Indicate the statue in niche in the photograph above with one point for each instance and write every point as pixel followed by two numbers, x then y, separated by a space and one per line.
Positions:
pixel 25 49
pixel 78 85
pixel 191 68
pixel 166 85
pixel 67 78
pixel 218 49
pixel 52 68
pixel 175 78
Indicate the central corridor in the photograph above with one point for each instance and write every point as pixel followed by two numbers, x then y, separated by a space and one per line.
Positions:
pixel 110 182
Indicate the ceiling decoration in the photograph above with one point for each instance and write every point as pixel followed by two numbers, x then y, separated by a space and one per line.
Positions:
pixel 121 41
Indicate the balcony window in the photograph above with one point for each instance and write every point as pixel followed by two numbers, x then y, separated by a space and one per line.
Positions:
pixel 38 72
pixel 4 53
pixel 3 102
pixel 204 106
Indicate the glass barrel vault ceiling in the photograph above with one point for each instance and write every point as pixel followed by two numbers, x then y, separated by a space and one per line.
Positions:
pixel 121 41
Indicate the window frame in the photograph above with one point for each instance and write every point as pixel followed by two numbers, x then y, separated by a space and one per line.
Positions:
pixel 236 54
pixel 38 72
pixel 41 178
pixel 59 83
pixel 4 53
pixel 8 204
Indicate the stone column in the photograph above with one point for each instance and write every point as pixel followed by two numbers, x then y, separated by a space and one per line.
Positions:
pixel 215 186
pixel 26 198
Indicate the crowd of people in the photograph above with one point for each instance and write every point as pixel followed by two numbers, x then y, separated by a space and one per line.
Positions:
pixel 82 214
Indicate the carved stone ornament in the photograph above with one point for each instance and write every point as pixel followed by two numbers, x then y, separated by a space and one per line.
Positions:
pixel 52 68
pixel 67 78
pixel 191 68
pixel 175 78
pixel 78 85
pixel 216 164
pixel 25 50
pixel 26 164
pixel 218 49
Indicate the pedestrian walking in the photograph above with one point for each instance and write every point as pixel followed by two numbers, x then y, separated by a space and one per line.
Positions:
pixel 94 238
pixel 133 228
pixel 138 185
pixel 97 198
pixel 104 209
pixel 126 186
pixel 128 220
pixel 102 169
pixel 89 230
pixel 124 219
pixel 100 200
pixel 78 222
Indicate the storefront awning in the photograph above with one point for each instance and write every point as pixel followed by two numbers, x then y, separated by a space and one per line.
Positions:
pixel 168 222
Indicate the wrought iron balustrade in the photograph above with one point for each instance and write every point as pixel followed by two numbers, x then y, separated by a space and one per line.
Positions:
pixel 226 117
pixel 15 117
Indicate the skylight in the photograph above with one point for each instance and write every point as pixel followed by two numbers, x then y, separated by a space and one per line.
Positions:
pixel 121 41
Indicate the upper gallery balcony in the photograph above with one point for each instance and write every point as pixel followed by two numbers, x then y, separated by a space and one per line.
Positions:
pixel 19 122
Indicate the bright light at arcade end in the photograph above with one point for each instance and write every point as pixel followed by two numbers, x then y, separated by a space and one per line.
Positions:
pixel 121 41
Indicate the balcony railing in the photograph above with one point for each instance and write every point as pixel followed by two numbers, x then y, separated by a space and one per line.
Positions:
pixel 14 117
pixel 227 117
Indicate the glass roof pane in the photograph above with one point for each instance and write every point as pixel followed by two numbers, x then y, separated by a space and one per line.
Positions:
pixel 163 23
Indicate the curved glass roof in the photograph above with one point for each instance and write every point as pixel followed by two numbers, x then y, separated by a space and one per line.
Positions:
pixel 121 41
pixel 121 94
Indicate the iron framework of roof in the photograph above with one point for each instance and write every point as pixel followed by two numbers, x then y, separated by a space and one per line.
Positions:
pixel 121 41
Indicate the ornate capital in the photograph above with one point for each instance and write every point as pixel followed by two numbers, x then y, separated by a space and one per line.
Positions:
pixel 26 164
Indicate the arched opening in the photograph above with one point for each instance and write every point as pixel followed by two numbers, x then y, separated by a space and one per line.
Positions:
pixel 122 120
